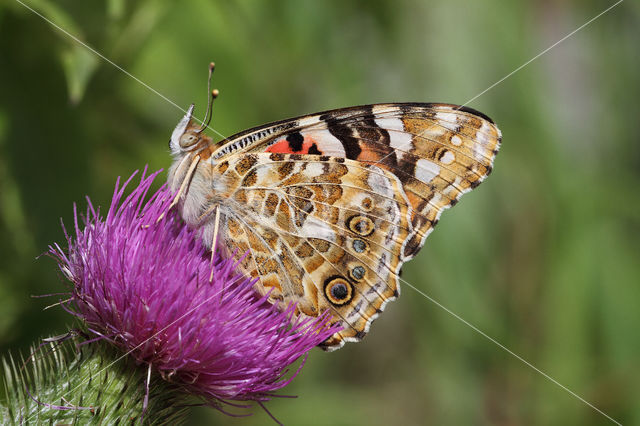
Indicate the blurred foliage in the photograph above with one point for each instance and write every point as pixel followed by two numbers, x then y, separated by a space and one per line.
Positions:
pixel 544 256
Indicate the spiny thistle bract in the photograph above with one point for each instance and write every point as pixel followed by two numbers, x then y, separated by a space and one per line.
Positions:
pixel 64 382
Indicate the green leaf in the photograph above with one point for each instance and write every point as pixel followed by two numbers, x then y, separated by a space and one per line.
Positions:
pixel 79 65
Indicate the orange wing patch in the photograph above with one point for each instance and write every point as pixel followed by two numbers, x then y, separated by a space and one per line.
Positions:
pixel 295 143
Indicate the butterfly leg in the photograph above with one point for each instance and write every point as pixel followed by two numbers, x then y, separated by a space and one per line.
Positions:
pixel 183 185
pixel 216 226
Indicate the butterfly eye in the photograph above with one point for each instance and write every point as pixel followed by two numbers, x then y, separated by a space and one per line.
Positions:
pixel 187 140
pixel 338 290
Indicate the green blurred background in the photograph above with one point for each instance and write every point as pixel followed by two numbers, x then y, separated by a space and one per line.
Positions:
pixel 544 257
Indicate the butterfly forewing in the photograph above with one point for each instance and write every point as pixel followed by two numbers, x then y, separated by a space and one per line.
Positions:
pixel 330 205
pixel 438 151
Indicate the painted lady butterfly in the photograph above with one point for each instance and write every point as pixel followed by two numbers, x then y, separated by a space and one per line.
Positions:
pixel 330 205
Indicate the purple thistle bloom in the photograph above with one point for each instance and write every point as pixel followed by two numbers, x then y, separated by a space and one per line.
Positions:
pixel 144 286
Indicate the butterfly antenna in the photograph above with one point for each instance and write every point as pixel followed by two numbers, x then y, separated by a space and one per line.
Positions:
pixel 212 95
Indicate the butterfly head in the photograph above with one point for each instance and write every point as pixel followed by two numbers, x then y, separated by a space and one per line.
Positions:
pixel 187 136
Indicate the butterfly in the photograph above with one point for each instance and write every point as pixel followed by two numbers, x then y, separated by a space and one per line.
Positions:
pixel 330 205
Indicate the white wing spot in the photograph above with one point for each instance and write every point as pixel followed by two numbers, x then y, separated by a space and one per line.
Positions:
pixel 447 120
pixel 398 138
pixel 447 158
pixel 263 173
pixel 482 135
pixel 327 143
pixel 314 169
pixel 455 140
pixel 379 183
pixel 426 170
pixel 483 141
pixel 315 228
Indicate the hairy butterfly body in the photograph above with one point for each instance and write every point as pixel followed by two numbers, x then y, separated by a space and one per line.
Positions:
pixel 330 205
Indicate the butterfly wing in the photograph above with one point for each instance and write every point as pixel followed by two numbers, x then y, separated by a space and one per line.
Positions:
pixel 330 205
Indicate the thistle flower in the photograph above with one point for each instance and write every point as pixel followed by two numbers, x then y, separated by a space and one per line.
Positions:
pixel 144 285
